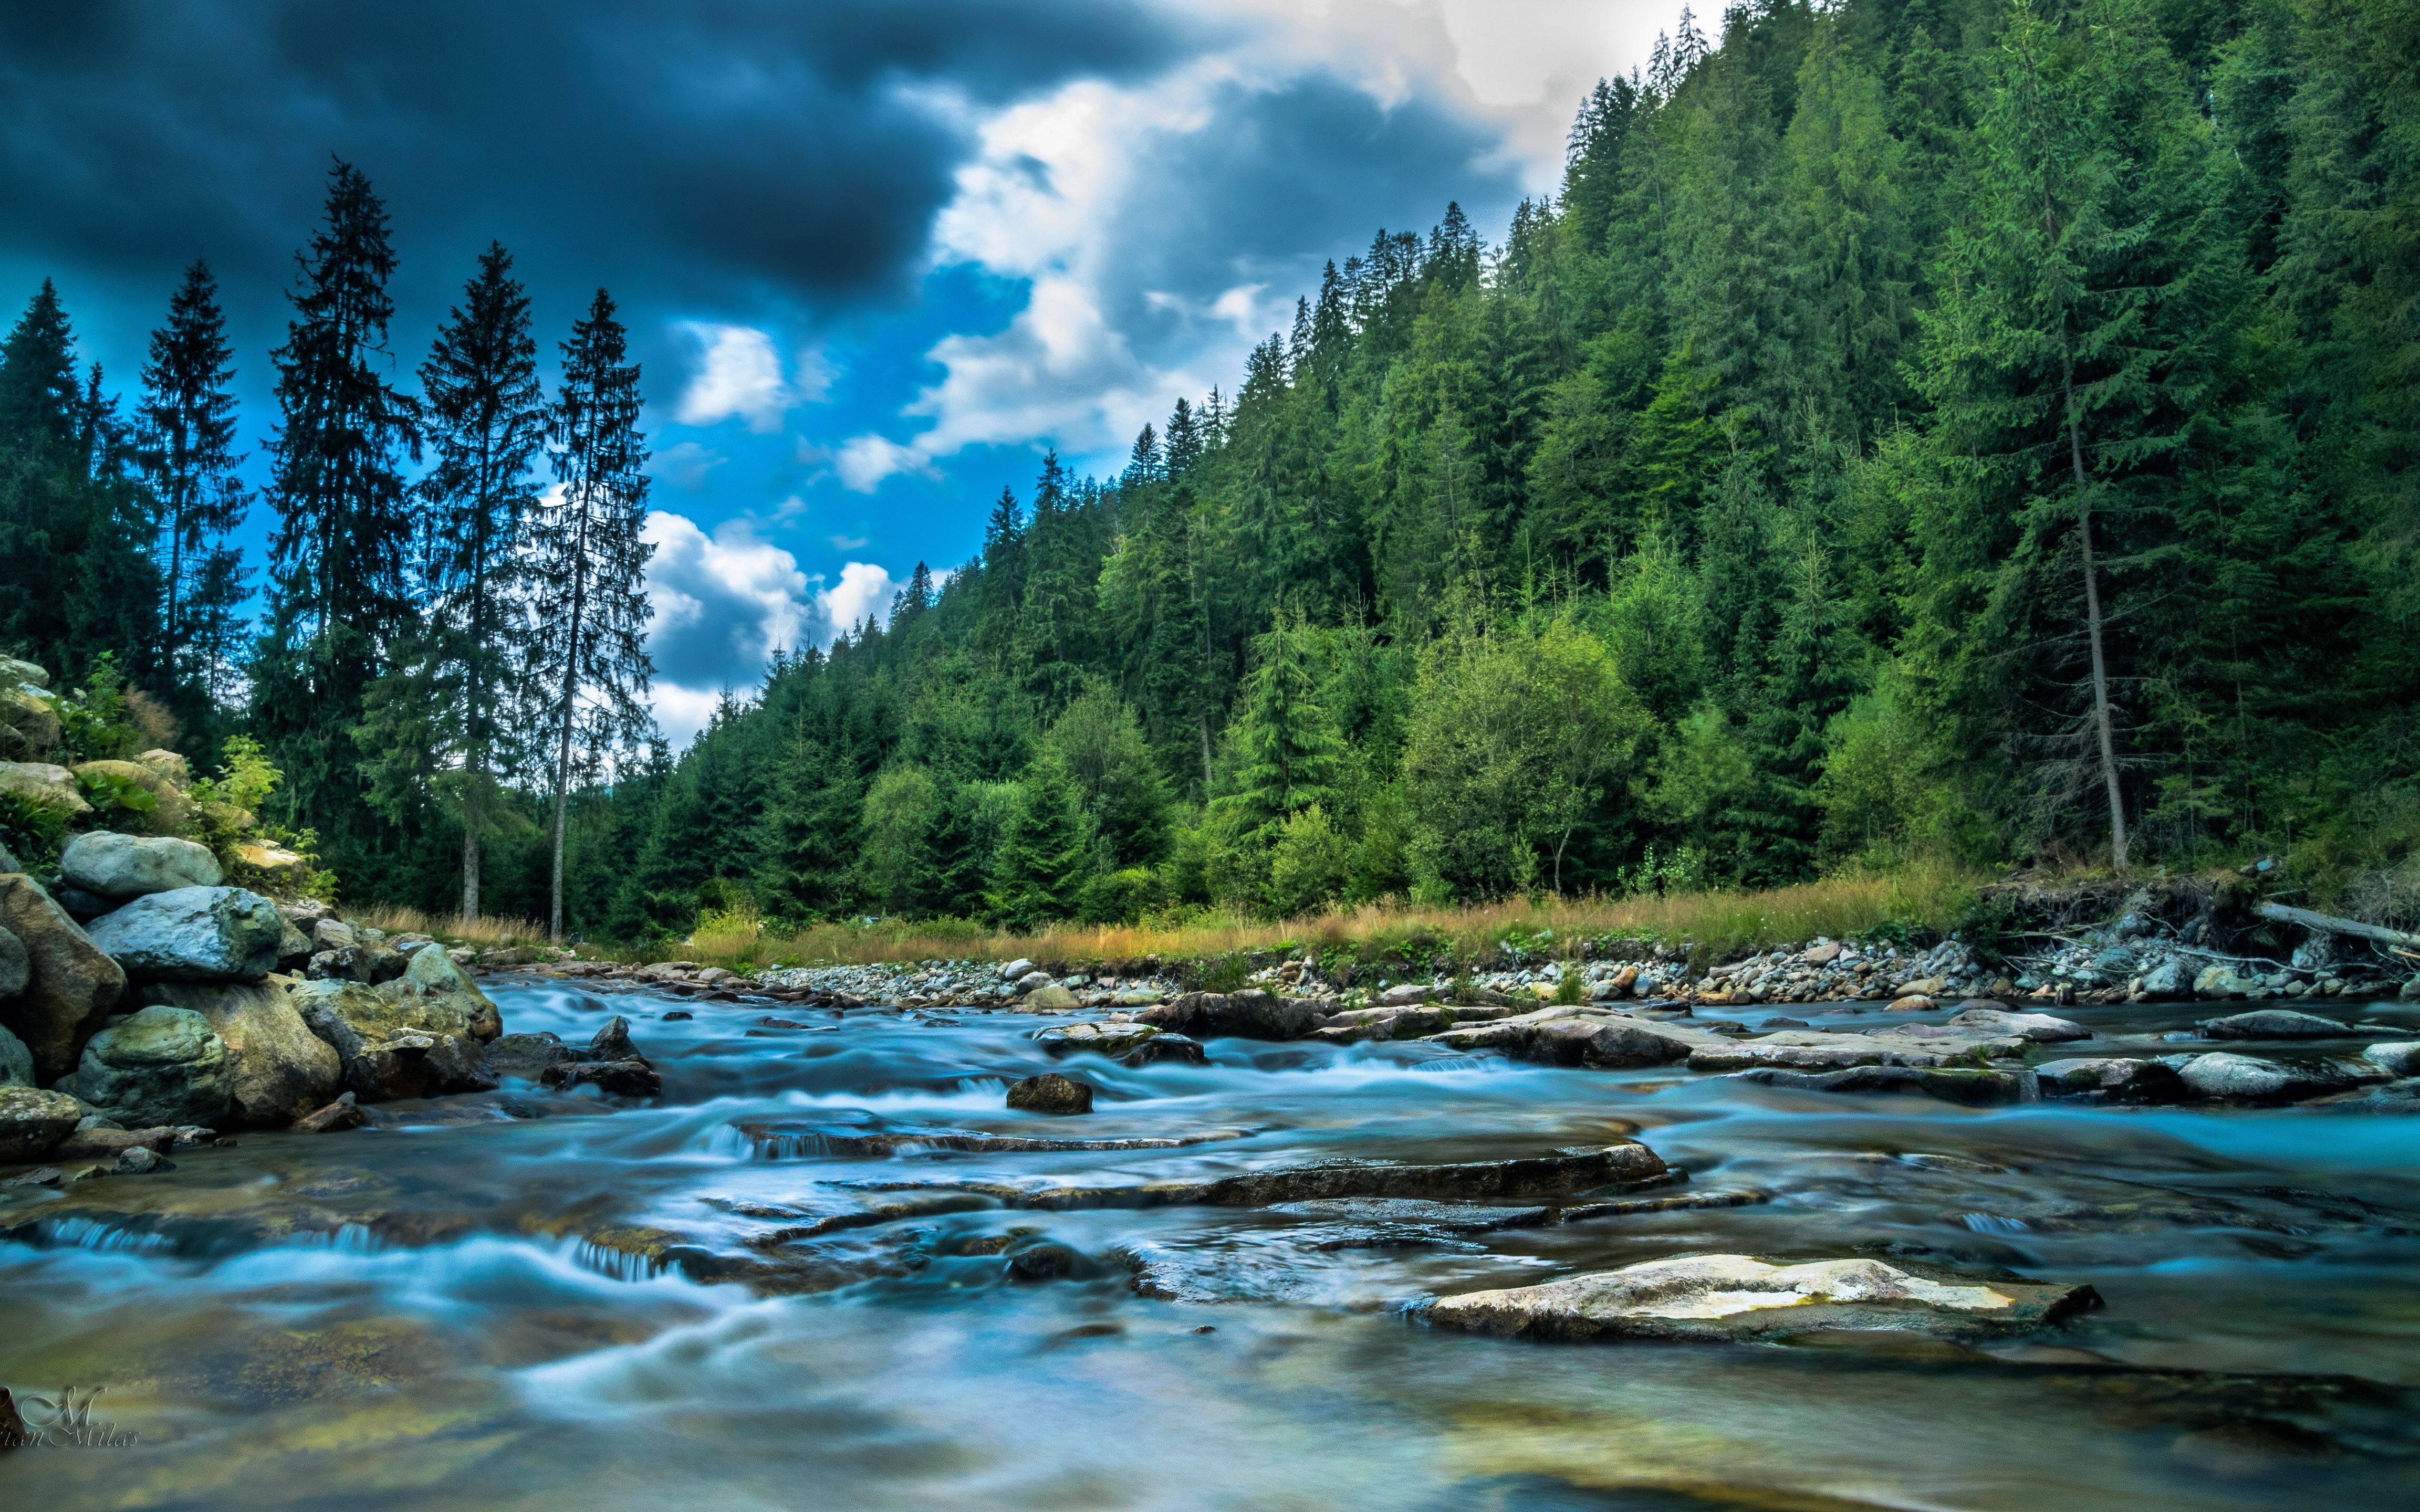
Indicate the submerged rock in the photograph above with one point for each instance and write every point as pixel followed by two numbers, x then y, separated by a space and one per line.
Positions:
pixel 70 984
pixel 161 1066
pixel 35 1123
pixel 344 1112
pixel 528 1057
pixel 1740 1297
pixel 192 935
pixel 1051 1093
pixel 133 866
pixel 2274 1024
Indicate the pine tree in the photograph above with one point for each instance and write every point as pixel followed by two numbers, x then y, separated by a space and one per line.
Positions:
pixel 1287 748
pixel 951 866
pixel 187 424
pixel 487 423
pixel 807 837
pixel 589 655
pixel 340 590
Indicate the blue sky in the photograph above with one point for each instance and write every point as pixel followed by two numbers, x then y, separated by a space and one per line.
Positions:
pixel 874 256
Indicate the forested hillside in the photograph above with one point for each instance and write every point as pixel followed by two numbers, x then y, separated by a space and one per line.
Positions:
pixel 1946 427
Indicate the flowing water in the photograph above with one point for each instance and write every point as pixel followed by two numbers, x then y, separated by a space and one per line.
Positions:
pixel 526 1300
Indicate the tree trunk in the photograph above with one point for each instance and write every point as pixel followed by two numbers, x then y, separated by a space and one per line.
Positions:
pixel 562 805
pixel 470 848
pixel 2101 718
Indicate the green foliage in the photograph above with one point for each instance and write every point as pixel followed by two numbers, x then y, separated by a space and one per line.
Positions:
pixel 1038 868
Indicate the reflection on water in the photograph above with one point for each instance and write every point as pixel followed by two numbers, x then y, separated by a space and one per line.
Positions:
pixel 528 1299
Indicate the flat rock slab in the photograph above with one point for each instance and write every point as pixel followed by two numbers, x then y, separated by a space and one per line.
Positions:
pixel 1580 1036
pixel 2275 1023
pixel 1245 1015
pixel 1922 1046
pixel 1130 1045
pixel 1964 1085
pixel 1738 1297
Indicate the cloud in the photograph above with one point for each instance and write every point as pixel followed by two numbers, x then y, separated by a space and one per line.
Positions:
pixel 685 465
pixel 863 461
pixel 739 375
pixel 863 590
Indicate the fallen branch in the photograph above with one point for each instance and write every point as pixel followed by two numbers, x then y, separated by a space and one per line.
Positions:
pixel 2378 934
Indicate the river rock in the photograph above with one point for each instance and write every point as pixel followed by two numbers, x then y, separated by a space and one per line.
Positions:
pixel 1049 999
pixel 2219 982
pixel 16 1061
pixel 528 1057
pixel 2398 1097
pixel 1918 1046
pixel 171 812
pixel 131 866
pixel 1573 1036
pixel 1962 1085
pixel 434 977
pixel 2400 1058
pixel 2116 1079
pixel 1051 1093
pixel 331 935
pixel 392 1047
pixel 634 1077
pixel 1407 996
pixel 1722 1297
pixel 39 783
pixel 70 984
pixel 160 1067
pixel 344 1112
pixel 2273 1024
pixel 1354 1024
pixel 35 1123
pixel 193 934
pixel 1248 1015
pixel 1134 1044
pixel 2248 1078
pixel 16 967
pixel 2039 1028
pixel 278 1069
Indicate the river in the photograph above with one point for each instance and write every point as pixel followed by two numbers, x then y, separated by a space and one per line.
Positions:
pixel 528 1299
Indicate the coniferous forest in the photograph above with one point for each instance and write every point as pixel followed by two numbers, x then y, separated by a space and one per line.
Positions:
pixel 1942 428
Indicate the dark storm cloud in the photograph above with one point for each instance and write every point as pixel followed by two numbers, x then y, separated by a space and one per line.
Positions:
pixel 698 148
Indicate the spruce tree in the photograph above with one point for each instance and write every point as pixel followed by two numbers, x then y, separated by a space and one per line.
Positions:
pixel 187 433
pixel 487 423
pixel 340 589
pixel 806 840
pixel 589 654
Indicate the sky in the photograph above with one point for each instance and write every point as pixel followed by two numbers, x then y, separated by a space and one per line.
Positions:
pixel 876 256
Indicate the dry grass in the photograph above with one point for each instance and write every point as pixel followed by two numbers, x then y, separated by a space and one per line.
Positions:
pixel 1920 897
pixel 485 931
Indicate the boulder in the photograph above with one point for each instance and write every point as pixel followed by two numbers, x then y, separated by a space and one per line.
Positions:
pixel 2112 1079
pixel 14 671
pixel 392 1047
pixel 1051 1093
pixel 193 934
pixel 16 967
pixel 1578 1036
pixel 278 867
pixel 2398 1097
pixel 527 1056
pixel 34 1123
pixel 16 1061
pixel 370 965
pixel 1049 999
pixel 293 945
pixel 1248 1015
pixel 619 1078
pixel 171 811
pixel 161 1066
pixel 2249 1079
pixel 1913 1003
pixel 278 1069
pixel 2273 1024
pixel 331 935
pixel 2218 981
pixel 28 724
pixel 119 866
pixel 1015 969
pixel 70 986
pixel 82 907
pixel 2400 1058
pixel 2167 980
pixel 1722 1297
pixel 1919 1045
pixel 1133 1044
pixel 2039 1028
pixel 432 977
pixel 169 765
pixel 39 783
pixel 1408 995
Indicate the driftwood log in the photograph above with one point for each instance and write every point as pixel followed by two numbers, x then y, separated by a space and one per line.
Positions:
pixel 2333 925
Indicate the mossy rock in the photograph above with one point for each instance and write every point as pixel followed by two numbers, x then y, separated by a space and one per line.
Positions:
pixel 170 811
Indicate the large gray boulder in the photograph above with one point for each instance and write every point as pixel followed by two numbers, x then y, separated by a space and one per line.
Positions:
pixel 193 934
pixel 70 986
pixel 132 865
pixel 2251 1079
pixel 34 1123
pixel 163 1067
pixel 395 1047
pixel 1249 1016
pixel 434 979
pixel 277 1068
pixel 1740 1297
pixel 16 967
pixel 125 866
pixel 2274 1024
pixel 42 783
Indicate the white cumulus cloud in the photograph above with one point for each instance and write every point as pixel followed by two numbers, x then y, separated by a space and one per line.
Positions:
pixel 739 376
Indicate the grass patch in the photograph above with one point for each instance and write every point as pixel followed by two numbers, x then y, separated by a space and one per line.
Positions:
pixel 1917 899
pixel 488 929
